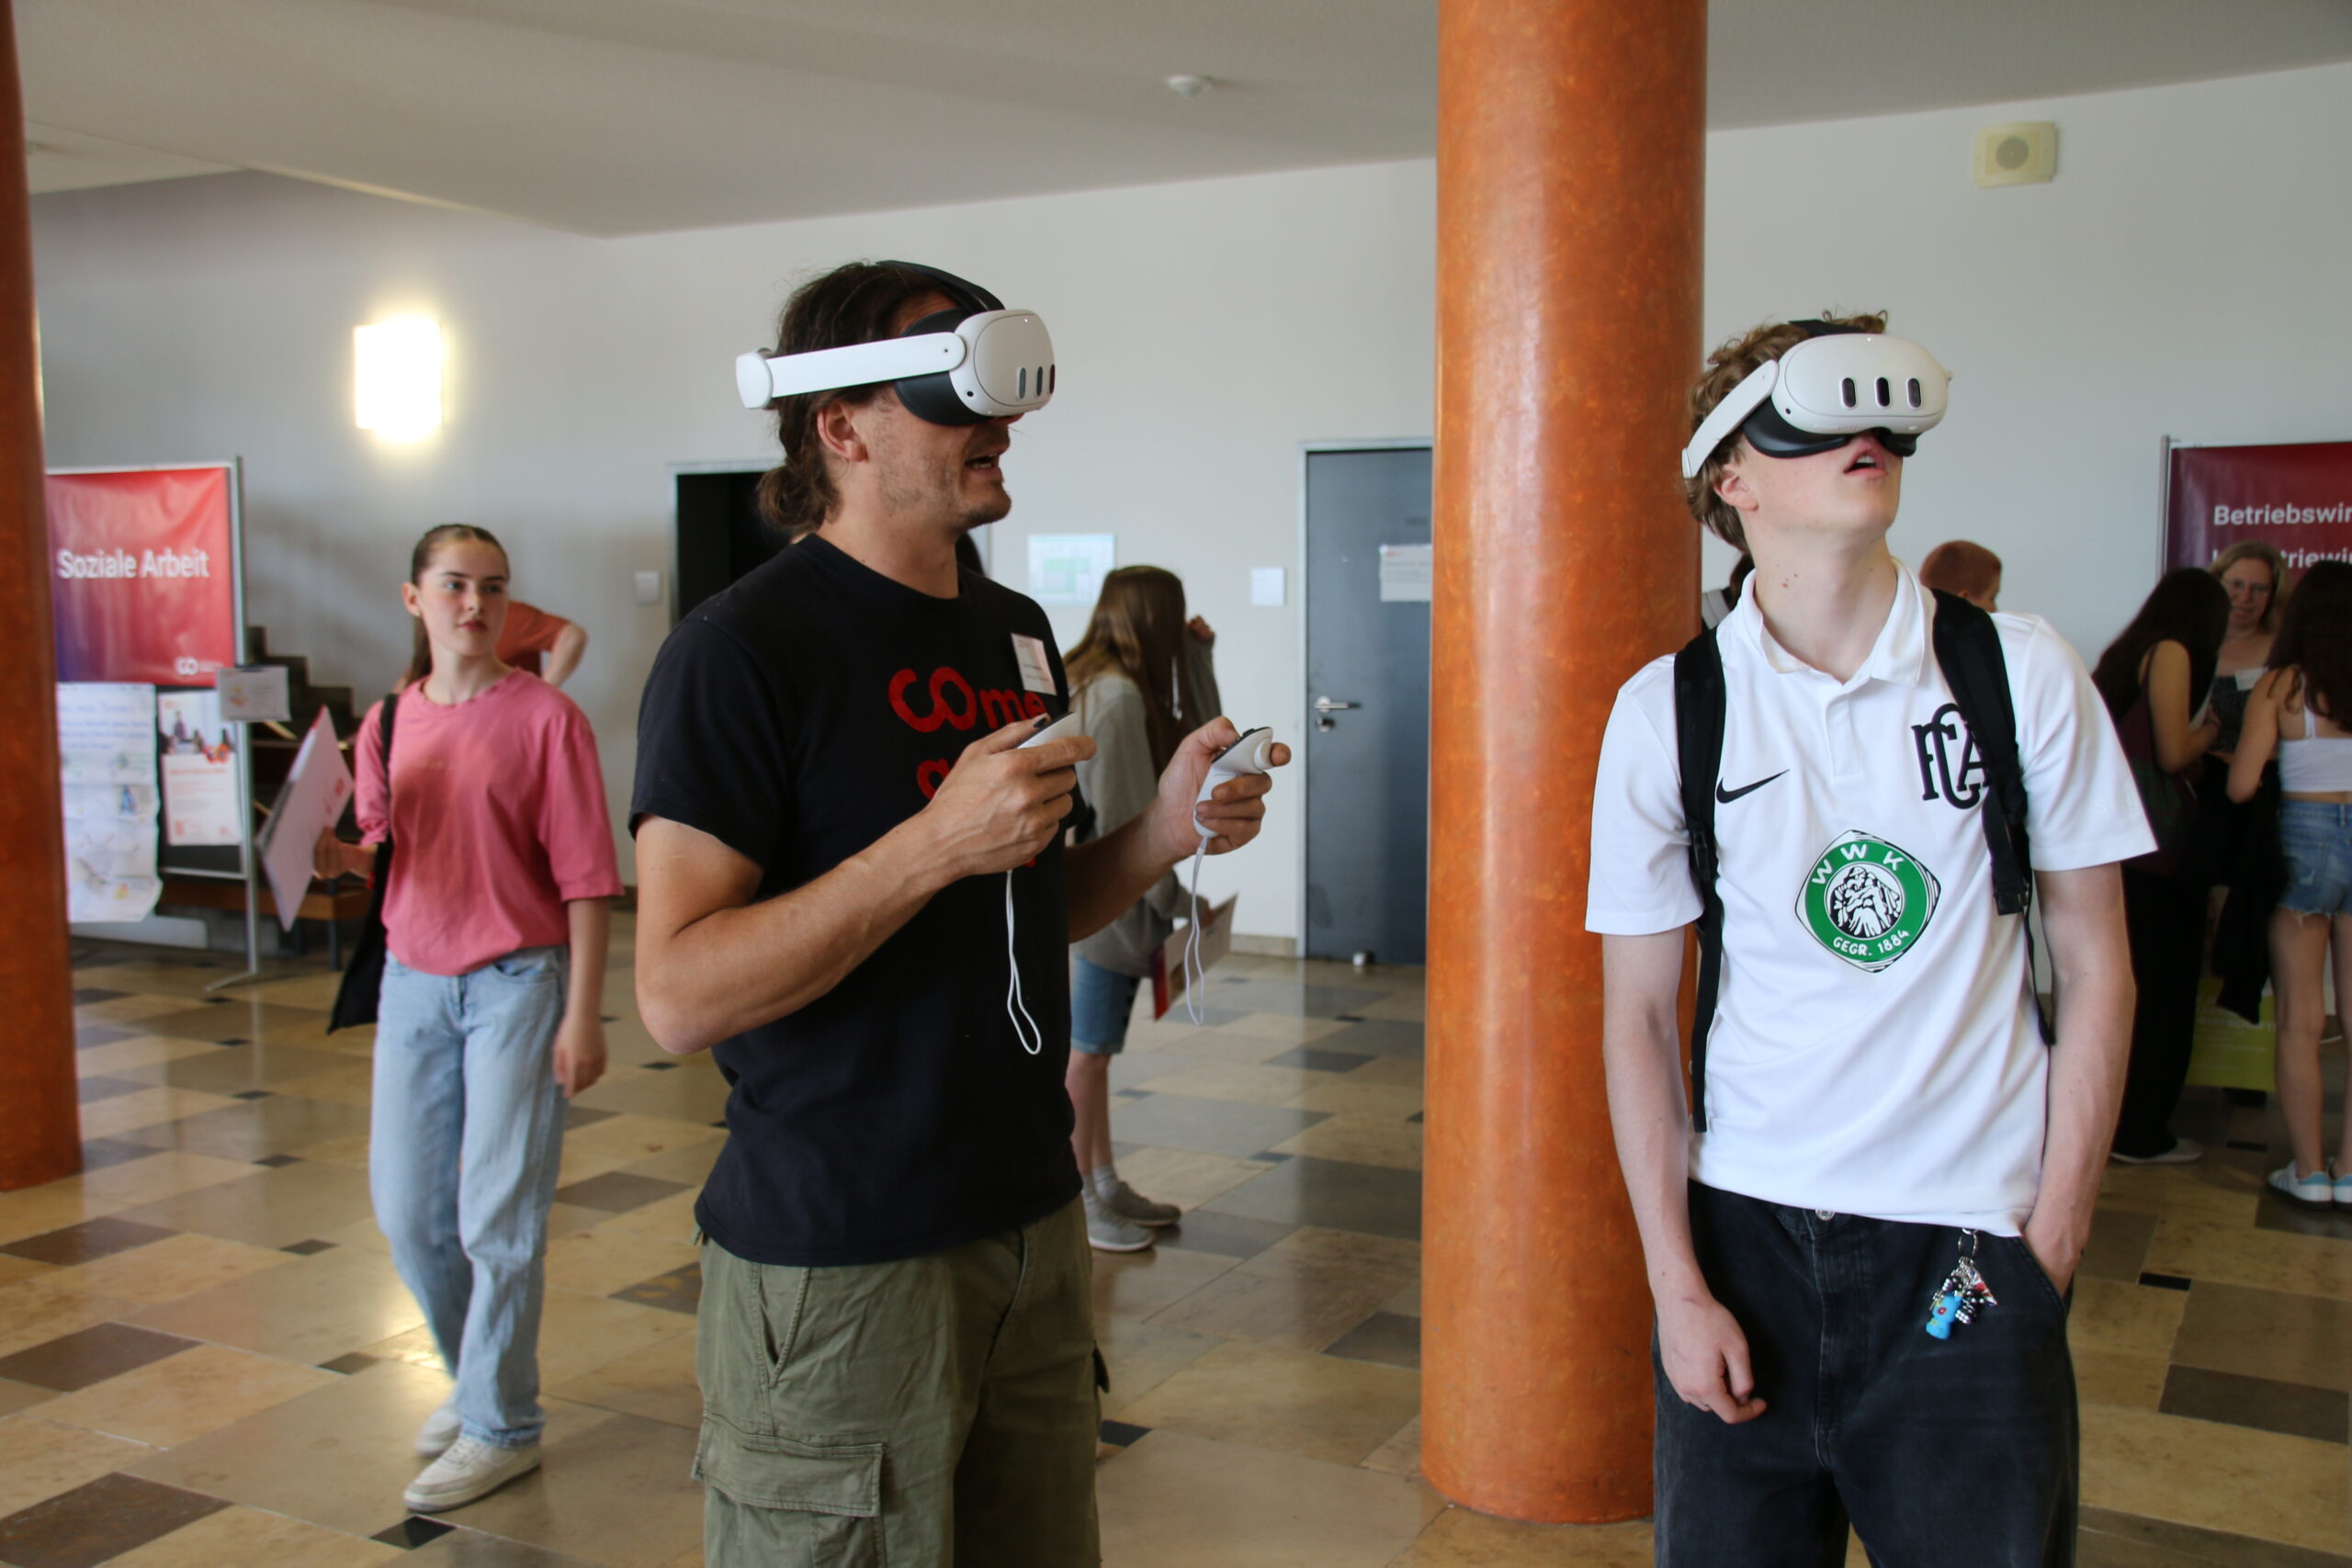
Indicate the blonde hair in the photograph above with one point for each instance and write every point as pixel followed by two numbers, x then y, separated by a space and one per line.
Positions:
pixel 2267 553
pixel 1726 369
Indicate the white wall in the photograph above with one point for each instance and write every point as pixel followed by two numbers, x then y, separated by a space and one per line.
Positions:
pixel 2185 275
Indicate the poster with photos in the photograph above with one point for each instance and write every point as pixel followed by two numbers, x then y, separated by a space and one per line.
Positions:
pixel 199 769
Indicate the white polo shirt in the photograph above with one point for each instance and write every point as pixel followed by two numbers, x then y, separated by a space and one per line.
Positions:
pixel 1875 1049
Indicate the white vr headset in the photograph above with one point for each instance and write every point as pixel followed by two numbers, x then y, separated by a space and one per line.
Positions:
pixel 975 362
pixel 1837 384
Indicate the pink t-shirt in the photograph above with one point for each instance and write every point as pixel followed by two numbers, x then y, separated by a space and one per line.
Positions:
pixel 497 820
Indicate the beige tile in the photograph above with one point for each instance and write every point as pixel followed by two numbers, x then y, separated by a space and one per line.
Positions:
pixel 317 992
pixel 1183 1177
pixel 1177 1501
pixel 1354 1095
pixel 127 1010
pixel 2134 1319
pixel 338 1456
pixel 2203 1249
pixel 614 1490
pixel 1367 1140
pixel 413 1345
pixel 1236 1049
pixel 313 1310
pixel 1296 1313
pixel 1460 1539
pixel 579 1333
pixel 1252 1083
pixel 1281 1026
pixel 165 1174
pixel 31 1210
pixel 16 1396
pixel 2224 1478
pixel 33 1312
pixel 346 1083
pixel 40 1459
pixel 269 1208
pixel 1400 1455
pixel 250 1537
pixel 1407 1302
pixel 602 1261
pixel 180 1398
pixel 1406 1007
pixel 656 1380
pixel 15 1268
pixel 2113 1377
pixel 139 1051
pixel 350 1151
pixel 1141 1356
pixel 628 1140
pixel 2267 1333
pixel 146 1108
pixel 165 1270
pixel 2211 1190
pixel 1312 1250
pixel 1136 1284
pixel 670 1219
pixel 690 1164
pixel 1318 1407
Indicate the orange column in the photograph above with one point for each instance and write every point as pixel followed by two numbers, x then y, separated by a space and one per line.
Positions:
pixel 41 1137
pixel 1570 197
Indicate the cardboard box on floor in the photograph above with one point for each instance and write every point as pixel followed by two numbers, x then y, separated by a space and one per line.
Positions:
pixel 1168 977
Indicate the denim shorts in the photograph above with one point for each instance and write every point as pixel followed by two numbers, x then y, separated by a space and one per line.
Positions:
pixel 1100 1001
pixel 2315 836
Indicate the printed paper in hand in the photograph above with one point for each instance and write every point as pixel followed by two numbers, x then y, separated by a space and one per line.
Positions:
pixel 312 801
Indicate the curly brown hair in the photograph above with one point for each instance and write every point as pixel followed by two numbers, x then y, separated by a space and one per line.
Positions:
pixel 1726 369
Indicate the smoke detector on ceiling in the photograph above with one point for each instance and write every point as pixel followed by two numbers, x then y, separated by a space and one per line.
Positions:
pixel 2021 154
pixel 1189 86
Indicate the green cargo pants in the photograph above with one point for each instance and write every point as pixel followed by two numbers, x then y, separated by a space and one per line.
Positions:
pixel 936 1411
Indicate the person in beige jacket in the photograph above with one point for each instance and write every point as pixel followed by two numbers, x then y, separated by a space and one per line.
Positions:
pixel 1139 679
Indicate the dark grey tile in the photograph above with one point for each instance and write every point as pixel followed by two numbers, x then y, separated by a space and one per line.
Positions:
pixel 585 1116
pixel 221 1021
pixel 98 1521
pixel 413 1532
pixel 277 1162
pixel 2159 1542
pixel 1316 1059
pixel 87 1242
pixel 346 1365
pixel 617 1192
pixel 310 1248
pixel 1119 1434
pixel 678 1291
pixel 1389 1338
pixel 1229 1127
pixel 1376 1037
pixel 254 1129
pixel 237 1072
pixel 76 1361
pixel 1230 1236
pixel 2119 1244
pixel 94 1089
pixel 2277 1211
pixel 2297 1409
pixel 1332 1194
pixel 99 1153
pixel 2165 1281
pixel 88 1034
pixel 1239 996
pixel 85 994
pixel 450 1547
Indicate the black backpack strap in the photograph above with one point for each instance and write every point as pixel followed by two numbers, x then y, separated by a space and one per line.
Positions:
pixel 1968 651
pixel 1698 743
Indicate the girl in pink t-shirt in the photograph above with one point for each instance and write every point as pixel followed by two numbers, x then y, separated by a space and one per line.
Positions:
pixel 496 920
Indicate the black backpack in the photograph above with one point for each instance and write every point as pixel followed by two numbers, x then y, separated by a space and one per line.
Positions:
pixel 1968 651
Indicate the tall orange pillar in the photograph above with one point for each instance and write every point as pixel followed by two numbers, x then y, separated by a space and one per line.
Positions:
pixel 41 1137
pixel 1570 197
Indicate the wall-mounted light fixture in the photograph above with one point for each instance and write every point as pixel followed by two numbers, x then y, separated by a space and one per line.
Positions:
pixel 398 377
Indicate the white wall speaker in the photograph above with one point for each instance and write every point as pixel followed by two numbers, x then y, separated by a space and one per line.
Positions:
pixel 2021 154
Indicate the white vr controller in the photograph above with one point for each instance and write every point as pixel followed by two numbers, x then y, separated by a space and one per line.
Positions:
pixel 1253 753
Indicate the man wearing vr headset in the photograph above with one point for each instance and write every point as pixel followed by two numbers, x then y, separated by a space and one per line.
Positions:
pixel 852 889
pixel 1861 1238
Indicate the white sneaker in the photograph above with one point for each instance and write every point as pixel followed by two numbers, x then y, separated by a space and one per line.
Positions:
pixel 2343 1186
pixel 2315 1190
pixel 440 1429
pixel 1130 1204
pixel 471 1469
pixel 2184 1151
pixel 1107 1232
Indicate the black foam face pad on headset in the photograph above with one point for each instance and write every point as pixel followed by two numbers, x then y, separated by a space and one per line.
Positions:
pixel 933 398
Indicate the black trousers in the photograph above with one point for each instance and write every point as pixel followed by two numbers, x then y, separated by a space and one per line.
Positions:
pixel 1940 1452
pixel 2165 918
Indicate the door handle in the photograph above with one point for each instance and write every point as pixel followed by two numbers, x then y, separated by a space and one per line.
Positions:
pixel 1325 705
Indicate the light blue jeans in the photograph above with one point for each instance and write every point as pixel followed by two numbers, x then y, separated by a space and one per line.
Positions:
pixel 465 1139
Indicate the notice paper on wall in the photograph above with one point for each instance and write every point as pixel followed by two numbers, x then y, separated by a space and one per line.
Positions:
pixel 253 694
pixel 316 791
pixel 1406 573
pixel 199 770
pixel 1068 568
pixel 105 743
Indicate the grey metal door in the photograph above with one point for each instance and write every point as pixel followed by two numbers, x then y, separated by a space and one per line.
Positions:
pixel 1367 741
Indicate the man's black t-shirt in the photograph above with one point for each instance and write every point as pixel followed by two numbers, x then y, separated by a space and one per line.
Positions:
pixel 798 717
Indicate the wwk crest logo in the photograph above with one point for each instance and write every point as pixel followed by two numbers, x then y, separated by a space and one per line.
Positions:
pixel 1867 901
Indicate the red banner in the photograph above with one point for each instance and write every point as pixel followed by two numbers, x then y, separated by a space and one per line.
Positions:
pixel 140 575
pixel 2296 497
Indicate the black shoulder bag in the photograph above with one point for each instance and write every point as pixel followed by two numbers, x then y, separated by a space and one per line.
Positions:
pixel 363 977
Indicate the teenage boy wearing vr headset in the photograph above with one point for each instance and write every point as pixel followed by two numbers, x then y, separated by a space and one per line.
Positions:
pixel 1859 1240
pixel 847 865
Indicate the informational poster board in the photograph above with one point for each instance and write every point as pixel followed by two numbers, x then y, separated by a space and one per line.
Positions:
pixel 202 802
pixel 1068 568
pixel 105 743
pixel 2296 496
pixel 143 573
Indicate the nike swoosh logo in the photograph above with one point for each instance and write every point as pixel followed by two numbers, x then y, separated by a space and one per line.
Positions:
pixel 1728 795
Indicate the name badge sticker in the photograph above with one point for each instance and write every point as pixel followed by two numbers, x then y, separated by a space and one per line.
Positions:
pixel 1036 670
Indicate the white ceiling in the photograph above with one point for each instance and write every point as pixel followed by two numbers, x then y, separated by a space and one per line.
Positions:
pixel 616 116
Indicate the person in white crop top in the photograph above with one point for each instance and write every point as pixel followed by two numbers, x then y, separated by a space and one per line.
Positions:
pixel 1880 1117
pixel 2299 711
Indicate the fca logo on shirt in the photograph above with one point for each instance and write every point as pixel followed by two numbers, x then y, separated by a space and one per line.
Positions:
pixel 1934 740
